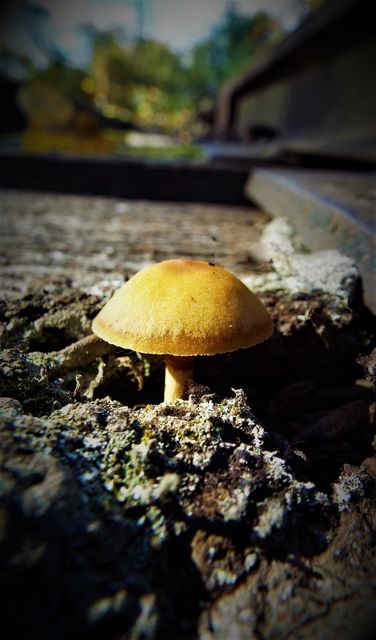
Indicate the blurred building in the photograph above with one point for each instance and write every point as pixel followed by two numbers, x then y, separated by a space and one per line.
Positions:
pixel 315 93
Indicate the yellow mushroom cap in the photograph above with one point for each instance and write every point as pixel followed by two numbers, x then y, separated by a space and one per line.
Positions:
pixel 183 308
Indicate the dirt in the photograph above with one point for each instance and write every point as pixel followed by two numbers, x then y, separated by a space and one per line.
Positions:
pixel 247 511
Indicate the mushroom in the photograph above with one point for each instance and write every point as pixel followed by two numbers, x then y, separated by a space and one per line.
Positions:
pixel 180 309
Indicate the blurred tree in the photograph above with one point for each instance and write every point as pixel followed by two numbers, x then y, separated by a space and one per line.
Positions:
pixel 24 25
pixel 305 7
pixel 110 75
pixel 230 48
pixel 144 83
pixel 156 65
pixel 149 85
pixel 140 82
pixel 50 96
pixel 14 65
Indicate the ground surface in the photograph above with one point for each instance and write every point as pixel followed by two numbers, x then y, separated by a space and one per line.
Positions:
pixel 246 512
pixel 87 239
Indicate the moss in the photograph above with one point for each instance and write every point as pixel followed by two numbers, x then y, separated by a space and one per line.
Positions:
pixel 48 318
pixel 186 460
pixel 28 381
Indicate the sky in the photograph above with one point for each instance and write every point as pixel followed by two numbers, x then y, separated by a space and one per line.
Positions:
pixel 178 23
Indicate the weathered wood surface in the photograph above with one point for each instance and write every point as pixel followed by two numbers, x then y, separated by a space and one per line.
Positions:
pixel 87 239
pixel 235 515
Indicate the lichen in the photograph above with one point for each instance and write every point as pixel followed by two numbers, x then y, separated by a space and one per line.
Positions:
pixel 351 486
pixel 207 460
pixel 298 271
pixel 28 382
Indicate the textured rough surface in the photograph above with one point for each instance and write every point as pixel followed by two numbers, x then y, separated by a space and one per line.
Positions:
pixel 331 210
pixel 297 270
pixel 98 242
pixel 247 511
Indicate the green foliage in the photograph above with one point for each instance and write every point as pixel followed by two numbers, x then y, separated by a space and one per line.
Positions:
pixel 150 86
pixel 157 65
pixel 145 83
pixel 63 77
pixel 229 50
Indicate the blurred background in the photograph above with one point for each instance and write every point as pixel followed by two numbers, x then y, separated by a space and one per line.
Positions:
pixel 132 77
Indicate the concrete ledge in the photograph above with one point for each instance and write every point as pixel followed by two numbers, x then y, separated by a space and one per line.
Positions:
pixel 331 210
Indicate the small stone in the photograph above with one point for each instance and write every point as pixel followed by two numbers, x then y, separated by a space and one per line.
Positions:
pixel 10 407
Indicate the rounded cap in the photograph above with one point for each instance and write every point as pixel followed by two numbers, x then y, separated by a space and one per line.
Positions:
pixel 183 308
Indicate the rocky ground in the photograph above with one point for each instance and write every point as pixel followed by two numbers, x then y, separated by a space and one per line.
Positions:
pixel 246 512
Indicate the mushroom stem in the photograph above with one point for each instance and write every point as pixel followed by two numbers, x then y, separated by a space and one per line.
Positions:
pixel 179 370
